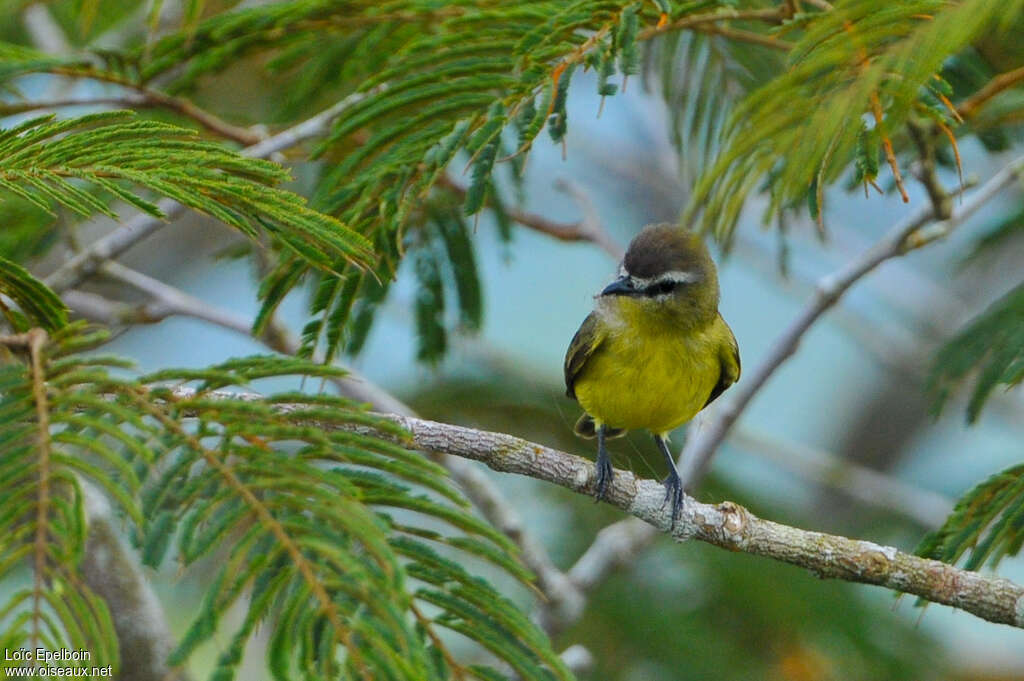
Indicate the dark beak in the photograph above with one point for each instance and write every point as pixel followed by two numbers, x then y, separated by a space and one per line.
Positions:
pixel 623 286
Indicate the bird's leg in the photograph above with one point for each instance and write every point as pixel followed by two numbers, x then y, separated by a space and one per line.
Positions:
pixel 673 485
pixel 604 466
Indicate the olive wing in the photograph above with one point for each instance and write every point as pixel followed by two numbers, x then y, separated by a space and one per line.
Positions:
pixel 583 344
pixel 729 357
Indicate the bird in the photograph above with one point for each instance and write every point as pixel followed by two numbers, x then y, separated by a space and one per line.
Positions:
pixel 654 351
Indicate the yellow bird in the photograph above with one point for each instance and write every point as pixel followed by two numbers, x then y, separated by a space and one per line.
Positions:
pixel 655 350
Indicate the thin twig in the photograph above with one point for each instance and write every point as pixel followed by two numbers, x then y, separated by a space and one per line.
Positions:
pixel 860 483
pixel 589 228
pixel 928 176
pixel 771 15
pixel 1002 82
pixel 150 98
pixel 43 30
pixel 746 36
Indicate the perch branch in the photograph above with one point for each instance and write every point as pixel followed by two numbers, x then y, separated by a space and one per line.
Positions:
pixel 733 527
pixel 726 525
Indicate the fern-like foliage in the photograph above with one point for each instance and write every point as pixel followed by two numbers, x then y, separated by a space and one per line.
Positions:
pixel 988 522
pixel 46 161
pixel 702 78
pixel 353 550
pixel 991 346
pixel 854 62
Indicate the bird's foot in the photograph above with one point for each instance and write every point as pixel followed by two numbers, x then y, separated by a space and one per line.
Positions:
pixel 673 494
pixel 604 474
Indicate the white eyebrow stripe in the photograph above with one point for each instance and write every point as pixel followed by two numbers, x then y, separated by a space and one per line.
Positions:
pixel 679 277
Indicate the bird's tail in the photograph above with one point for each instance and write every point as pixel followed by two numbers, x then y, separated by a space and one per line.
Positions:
pixel 586 428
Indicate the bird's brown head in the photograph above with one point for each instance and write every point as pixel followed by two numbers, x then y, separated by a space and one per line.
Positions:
pixel 667 270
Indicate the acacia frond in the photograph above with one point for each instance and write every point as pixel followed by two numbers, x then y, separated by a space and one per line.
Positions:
pixel 991 346
pixel 47 161
pixel 456 88
pixel 52 437
pixel 987 522
pixel 852 61
pixel 355 549
pixel 701 78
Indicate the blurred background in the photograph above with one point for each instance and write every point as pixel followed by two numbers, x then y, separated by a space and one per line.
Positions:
pixel 851 399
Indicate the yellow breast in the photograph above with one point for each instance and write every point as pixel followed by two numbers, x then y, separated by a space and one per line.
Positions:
pixel 649 377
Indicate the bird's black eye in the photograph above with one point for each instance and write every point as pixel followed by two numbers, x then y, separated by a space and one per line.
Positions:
pixel 661 288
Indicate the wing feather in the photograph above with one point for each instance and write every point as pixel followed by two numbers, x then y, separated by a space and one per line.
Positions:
pixel 582 346
pixel 729 358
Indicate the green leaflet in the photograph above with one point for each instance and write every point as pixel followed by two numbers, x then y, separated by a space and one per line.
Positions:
pixel 990 347
pixel 48 162
pixel 40 306
pixel 988 522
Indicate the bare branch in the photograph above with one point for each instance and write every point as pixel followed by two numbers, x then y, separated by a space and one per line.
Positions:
pixel 111 571
pixel 43 30
pixel 591 228
pixel 614 546
pixel 588 229
pixel 1002 82
pixel 88 261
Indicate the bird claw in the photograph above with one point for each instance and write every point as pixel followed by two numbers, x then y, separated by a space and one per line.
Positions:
pixel 674 494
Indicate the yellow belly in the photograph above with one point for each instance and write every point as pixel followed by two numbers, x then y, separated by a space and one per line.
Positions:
pixel 654 381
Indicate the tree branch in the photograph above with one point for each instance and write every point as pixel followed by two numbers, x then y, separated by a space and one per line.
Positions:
pixel 1002 82
pixel 731 526
pixel 111 571
pixel 87 262
pixel 726 525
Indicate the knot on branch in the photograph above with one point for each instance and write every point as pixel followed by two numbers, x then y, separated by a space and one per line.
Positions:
pixel 735 520
pixel 868 562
